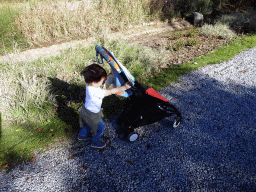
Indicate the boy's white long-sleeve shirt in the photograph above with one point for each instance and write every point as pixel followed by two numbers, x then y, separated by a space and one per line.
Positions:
pixel 93 99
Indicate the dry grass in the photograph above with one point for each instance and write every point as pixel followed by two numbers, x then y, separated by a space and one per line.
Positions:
pixel 26 87
pixel 218 30
pixel 63 20
pixel 23 87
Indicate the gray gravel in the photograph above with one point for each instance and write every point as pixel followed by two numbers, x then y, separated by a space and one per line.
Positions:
pixel 213 149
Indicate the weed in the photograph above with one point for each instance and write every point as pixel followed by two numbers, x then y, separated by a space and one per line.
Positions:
pixel 218 30
pixel 192 33
pixel 169 45
pixel 176 35
pixel 179 45
pixel 192 42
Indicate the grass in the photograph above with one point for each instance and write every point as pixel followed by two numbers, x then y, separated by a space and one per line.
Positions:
pixel 11 38
pixel 35 23
pixel 40 100
pixel 192 42
pixel 218 30
pixel 192 35
pixel 225 53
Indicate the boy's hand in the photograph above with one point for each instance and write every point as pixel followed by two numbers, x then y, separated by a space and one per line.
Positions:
pixel 127 85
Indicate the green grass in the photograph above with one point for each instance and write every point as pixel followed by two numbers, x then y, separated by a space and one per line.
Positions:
pixel 225 53
pixel 11 39
pixel 19 141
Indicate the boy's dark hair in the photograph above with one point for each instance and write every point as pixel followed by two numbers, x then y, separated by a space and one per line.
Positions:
pixel 93 73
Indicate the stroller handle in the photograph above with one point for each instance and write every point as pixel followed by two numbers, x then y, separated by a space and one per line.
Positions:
pixel 121 74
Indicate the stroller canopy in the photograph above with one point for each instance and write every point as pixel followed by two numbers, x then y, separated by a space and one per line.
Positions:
pixel 120 73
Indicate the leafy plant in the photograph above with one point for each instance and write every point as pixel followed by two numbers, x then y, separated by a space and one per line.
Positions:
pixel 192 33
pixel 192 42
pixel 179 45
pixel 169 45
pixel 176 35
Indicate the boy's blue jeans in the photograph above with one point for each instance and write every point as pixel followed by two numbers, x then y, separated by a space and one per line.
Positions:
pixel 86 130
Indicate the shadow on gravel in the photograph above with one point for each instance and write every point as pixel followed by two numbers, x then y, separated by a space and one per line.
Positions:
pixel 217 137
pixel 212 150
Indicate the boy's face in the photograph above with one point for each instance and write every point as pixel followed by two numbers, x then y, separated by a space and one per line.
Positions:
pixel 98 84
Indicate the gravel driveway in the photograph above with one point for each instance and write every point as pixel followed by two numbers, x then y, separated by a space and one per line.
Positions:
pixel 213 149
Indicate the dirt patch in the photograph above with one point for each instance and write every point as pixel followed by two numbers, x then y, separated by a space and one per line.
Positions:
pixel 181 46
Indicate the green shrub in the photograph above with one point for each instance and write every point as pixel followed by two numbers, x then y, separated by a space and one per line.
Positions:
pixel 182 8
pixel 193 33
pixel 192 42
pixel 176 35
pixel 179 45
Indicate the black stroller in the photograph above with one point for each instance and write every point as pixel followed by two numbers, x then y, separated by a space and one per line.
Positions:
pixel 145 105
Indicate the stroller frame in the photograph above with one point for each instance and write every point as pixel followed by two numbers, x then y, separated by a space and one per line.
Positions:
pixel 144 105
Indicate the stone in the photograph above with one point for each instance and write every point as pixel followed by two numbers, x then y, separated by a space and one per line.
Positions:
pixel 198 19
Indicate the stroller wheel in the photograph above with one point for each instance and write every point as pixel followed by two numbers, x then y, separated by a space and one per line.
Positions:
pixel 132 136
pixel 176 124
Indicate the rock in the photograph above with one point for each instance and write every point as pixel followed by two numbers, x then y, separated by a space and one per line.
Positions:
pixel 198 19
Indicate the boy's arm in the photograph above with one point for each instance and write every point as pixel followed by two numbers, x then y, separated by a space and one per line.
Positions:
pixel 117 90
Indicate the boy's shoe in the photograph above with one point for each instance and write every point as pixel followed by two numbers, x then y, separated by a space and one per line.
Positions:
pixel 98 144
pixel 83 137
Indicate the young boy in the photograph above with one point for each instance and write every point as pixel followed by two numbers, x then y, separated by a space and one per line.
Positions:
pixel 91 113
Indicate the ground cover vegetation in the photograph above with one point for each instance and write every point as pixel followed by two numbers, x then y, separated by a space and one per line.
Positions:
pixel 40 99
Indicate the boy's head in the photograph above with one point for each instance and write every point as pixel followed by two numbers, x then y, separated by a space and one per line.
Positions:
pixel 94 73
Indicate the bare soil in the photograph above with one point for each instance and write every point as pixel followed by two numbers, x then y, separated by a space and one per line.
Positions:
pixel 182 49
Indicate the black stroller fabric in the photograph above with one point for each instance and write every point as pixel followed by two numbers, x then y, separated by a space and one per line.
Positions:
pixel 144 107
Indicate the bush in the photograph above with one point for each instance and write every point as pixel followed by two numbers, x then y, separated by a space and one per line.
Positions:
pixel 182 8
pixel 241 22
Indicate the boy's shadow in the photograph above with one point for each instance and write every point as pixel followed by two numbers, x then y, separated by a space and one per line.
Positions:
pixel 69 98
